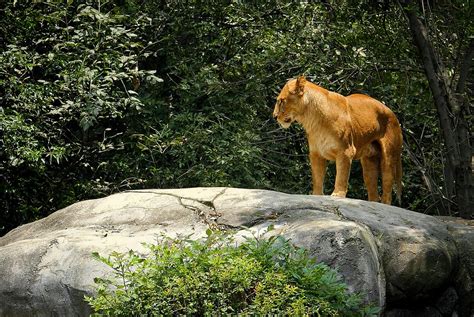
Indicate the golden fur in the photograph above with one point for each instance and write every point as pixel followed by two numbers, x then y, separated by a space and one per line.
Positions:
pixel 343 129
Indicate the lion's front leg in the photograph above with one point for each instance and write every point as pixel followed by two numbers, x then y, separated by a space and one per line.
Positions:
pixel 343 167
pixel 318 170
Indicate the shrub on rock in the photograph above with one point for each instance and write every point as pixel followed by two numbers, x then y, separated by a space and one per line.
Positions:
pixel 218 276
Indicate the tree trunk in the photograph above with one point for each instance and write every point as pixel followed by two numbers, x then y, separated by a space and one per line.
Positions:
pixel 452 112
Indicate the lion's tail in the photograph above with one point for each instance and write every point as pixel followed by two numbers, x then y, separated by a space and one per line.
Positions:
pixel 398 179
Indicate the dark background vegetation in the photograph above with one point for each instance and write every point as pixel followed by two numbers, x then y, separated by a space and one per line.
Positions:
pixel 98 97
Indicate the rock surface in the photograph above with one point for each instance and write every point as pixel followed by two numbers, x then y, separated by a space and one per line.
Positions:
pixel 464 237
pixel 396 257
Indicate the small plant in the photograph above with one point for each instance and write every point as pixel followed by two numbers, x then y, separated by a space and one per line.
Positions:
pixel 217 276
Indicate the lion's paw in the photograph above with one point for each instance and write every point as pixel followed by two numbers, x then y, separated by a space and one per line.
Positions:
pixel 339 194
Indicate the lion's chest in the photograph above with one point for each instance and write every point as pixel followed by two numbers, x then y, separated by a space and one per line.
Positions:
pixel 327 146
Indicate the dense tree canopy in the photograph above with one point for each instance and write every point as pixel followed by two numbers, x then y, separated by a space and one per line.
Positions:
pixel 101 96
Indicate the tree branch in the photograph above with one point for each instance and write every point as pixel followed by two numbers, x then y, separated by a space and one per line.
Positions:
pixel 436 81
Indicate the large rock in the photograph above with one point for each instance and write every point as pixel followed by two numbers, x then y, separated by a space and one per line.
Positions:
pixel 463 233
pixel 394 256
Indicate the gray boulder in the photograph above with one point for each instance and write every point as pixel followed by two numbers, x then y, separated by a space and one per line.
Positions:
pixel 463 233
pixel 393 256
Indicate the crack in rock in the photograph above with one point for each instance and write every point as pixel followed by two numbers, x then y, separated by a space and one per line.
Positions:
pixel 207 217
pixel 259 220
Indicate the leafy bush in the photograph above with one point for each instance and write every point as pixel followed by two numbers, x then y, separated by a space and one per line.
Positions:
pixel 216 277
pixel 68 80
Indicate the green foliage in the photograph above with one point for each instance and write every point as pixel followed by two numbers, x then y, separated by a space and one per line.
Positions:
pixel 216 276
pixel 68 93
pixel 98 97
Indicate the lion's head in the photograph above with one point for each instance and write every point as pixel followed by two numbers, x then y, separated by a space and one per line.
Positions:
pixel 289 102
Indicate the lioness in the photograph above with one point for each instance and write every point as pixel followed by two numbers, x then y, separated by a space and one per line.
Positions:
pixel 343 129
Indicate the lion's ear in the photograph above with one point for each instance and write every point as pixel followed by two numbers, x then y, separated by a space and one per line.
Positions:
pixel 300 82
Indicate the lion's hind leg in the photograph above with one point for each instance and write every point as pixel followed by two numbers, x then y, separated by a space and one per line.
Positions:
pixel 371 170
pixel 391 167
pixel 388 166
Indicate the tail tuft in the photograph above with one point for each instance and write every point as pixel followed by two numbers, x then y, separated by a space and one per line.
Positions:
pixel 398 180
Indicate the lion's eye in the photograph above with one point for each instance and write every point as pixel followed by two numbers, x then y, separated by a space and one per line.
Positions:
pixel 282 105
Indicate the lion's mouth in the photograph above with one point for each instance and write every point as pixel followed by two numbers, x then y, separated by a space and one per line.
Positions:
pixel 287 120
